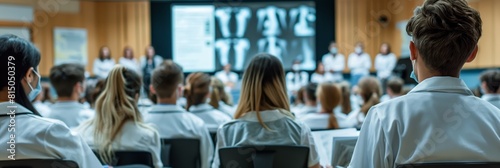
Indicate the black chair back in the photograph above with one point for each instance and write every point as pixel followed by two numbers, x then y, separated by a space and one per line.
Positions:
pixel 38 163
pixel 452 165
pixel 181 153
pixel 275 156
pixel 213 135
pixel 123 158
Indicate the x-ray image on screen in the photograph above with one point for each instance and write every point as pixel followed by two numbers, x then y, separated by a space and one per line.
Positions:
pixel 283 29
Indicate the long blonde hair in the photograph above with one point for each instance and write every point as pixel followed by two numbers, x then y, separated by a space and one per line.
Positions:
pixel 370 91
pixel 218 93
pixel 114 108
pixel 329 97
pixel 263 87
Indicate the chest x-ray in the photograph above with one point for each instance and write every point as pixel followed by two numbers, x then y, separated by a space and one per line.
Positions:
pixel 303 19
pixel 271 20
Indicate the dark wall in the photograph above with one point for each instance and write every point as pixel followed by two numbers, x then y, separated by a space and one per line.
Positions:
pixel 161 19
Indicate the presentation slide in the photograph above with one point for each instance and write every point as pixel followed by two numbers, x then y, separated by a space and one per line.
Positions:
pixel 193 37
pixel 238 32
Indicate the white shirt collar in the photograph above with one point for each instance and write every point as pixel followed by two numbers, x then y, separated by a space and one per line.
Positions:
pixel 200 108
pixel 266 116
pixel 491 97
pixel 442 84
pixel 166 108
pixel 6 107
pixel 70 104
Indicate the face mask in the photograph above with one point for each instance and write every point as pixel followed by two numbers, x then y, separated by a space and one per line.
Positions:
pixel 34 92
pixel 413 75
pixel 358 50
pixel 295 67
pixel 333 50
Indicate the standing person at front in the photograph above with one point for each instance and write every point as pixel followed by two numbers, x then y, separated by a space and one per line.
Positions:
pixel 118 124
pixel 128 60
pixel 439 120
pixel 385 62
pixel 69 82
pixel 35 137
pixel 171 120
pixel 264 112
pixel 104 63
pixel 228 77
pixel 334 63
pixel 359 63
pixel 148 63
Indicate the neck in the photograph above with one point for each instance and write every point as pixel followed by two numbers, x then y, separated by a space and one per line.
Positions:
pixel 425 73
pixel 394 95
pixel 323 110
pixel 310 103
pixel 65 99
pixel 4 91
pixel 169 100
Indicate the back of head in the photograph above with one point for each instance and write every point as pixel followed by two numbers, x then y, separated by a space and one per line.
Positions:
pixel 346 97
pixel 115 107
pixel 218 93
pixel 310 91
pixel 300 99
pixel 96 91
pixel 329 96
pixel 64 77
pixel 490 80
pixel 263 87
pixel 197 89
pixel 395 84
pixel 370 91
pixel 166 79
pixel 18 56
pixel 445 33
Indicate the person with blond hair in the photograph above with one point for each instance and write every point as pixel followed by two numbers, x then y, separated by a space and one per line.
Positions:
pixel 197 91
pixel 328 96
pixel 118 124
pixel 439 120
pixel 264 112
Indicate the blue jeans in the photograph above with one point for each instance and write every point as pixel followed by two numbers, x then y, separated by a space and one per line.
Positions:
pixel 355 79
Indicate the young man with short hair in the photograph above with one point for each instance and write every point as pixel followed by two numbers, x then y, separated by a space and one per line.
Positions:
pixel 69 82
pixel 170 119
pixel 439 120
pixel 394 89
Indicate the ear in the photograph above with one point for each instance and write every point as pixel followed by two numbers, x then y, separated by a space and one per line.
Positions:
pixel 472 56
pixel 152 89
pixel 413 51
pixel 30 76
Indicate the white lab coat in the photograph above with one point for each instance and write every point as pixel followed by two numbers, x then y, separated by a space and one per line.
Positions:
pixel 384 64
pixel 359 64
pixel 316 120
pixel 493 99
pixel 227 77
pixel 41 108
pixel 304 110
pixel 229 110
pixel 439 120
pixel 213 118
pixel 136 137
pixel 71 113
pixel 247 131
pixel 42 138
pixel 173 121
pixel 318 78
pixel 102 68
pixel 351 120
pixel 296 80
pixel 131 64
pixel 335 63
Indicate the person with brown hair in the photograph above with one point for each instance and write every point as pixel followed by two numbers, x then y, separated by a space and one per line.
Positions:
pixel 439 120
pixel 104 63
pixel 219 98
pixel 128 60
pixel 149 62
pixel 307 95
pixel 334 63
pixel 197 91
pixel 394 88
pixel 329 96
pixel 490 84
pixel 171 120
pixel 385 61
pixel 264 112
pixel 320 75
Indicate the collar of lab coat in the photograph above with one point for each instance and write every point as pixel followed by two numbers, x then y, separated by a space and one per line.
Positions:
pixel 309 109
pixel 200 108
pixel 164 108
pixel 442 84
pixel 491 97
pixel 267 116
pixel 6 107
pixel 67 104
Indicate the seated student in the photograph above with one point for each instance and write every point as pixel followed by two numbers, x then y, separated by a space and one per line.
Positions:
pixel 197 92
pixel 309 96
pixel 329 97
pixel 343 111
pixel 219 99
pixel 118 124
pixel 35 137
pixel 171 120
pixel 394 89
pixel 43 100
pixel 490 83
pixel 69 82
pixel 264 111
pixel 298 101
pixel 439 120
pixel 370 91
